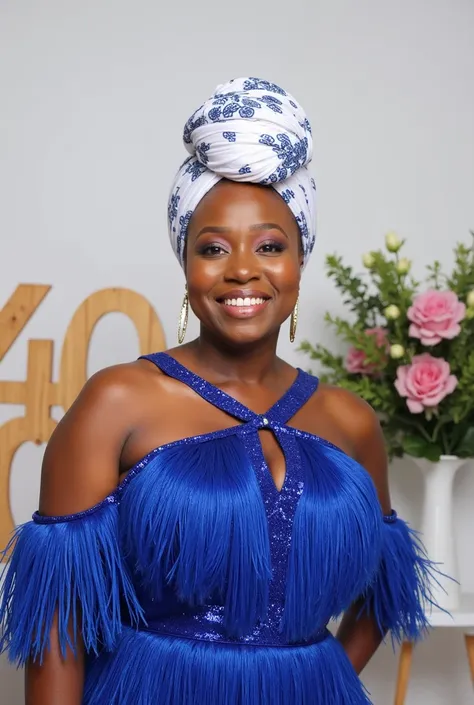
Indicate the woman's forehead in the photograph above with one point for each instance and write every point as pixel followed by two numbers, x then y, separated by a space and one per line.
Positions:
pixel 231 203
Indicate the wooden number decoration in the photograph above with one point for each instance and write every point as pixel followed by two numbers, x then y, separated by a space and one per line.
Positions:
pixel 38 393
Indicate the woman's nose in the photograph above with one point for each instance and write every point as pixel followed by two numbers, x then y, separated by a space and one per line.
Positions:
pixel 242 267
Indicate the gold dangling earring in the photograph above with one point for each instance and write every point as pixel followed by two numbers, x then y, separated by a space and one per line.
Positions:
pixel 294 321
pixel 183 317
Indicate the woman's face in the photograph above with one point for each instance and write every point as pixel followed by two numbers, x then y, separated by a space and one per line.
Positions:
pixel 243 262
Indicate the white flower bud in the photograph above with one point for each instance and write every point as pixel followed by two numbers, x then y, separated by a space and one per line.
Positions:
pixel 403 265
pixel 368 260
pixel 392 242
pixel 470 299
pixel 392 312
pixel 397 351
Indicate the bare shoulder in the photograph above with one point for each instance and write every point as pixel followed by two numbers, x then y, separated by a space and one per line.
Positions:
pixel 119 387
pixel 359 423
pixel 82 459
pixel 117 383
pixel 355 416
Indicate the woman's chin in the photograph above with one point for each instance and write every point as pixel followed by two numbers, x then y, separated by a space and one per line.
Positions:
pixel 245 335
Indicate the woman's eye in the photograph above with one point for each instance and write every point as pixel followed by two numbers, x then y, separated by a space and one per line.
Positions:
pixel 271 247
pixel 210 250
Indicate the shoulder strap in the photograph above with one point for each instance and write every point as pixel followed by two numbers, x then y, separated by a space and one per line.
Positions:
pixel 297 395
pixel 284 409
pixel 206 390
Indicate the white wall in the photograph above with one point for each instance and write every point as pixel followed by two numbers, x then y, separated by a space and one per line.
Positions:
pixel 94 95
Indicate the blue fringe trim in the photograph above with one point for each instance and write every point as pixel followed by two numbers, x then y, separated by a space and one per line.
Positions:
pixel 196 521
pixel 72 569
pixel 336 542
pixel 146 669
pixel 401 592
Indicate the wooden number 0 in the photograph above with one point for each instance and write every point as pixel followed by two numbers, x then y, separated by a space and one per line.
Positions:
pixel 39 393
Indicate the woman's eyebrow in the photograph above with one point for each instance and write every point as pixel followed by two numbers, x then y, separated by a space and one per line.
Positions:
pixel 213 229
pixel 268 226
pixel 256 226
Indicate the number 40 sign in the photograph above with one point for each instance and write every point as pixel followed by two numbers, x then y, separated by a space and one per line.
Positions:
pixel 38 393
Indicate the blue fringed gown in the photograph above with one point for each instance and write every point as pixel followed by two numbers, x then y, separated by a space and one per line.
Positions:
pixel 197 581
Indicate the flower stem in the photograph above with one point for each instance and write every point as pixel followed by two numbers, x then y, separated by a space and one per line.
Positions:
pixel 445 442
pixel 418 426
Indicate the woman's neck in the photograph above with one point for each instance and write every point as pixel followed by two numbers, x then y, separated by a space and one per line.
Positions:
pixel 250 364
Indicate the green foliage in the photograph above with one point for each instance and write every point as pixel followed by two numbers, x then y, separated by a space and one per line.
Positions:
pixel 461 280
pixel 380 297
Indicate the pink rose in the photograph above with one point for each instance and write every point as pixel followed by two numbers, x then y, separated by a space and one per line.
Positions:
pixel 356 360
pixel 425 382
pixel 435 315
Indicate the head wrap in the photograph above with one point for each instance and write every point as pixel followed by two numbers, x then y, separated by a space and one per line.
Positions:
pixel 249 130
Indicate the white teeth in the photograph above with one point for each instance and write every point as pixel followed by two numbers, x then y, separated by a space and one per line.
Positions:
pixel 244 302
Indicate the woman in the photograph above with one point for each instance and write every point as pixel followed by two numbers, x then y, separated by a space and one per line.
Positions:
pixel 245 505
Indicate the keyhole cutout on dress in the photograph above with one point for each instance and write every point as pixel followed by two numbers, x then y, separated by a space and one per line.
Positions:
pixel 274 457
pixel 271 447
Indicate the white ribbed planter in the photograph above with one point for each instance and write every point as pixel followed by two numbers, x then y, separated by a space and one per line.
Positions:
pixel 437 525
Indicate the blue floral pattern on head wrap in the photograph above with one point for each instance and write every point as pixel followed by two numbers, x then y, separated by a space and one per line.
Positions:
pixel 249 130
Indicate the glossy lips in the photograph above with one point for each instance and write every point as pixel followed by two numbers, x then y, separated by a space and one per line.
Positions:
pixel 243 303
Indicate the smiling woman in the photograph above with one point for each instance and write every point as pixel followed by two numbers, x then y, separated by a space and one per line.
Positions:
pixel 243 261
pixel 232 505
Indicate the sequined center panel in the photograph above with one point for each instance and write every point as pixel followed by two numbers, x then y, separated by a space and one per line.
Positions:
pixel 280 508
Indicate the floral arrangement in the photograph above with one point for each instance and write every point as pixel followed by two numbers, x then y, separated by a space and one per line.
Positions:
pixel 410 349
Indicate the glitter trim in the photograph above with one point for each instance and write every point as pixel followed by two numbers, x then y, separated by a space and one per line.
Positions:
pixel 391 518
pixel 215 396
pixel 190 630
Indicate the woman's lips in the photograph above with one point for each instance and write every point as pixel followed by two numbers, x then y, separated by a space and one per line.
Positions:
pixel 244 310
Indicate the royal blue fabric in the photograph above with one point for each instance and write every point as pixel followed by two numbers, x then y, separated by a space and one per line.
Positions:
pixel 198 581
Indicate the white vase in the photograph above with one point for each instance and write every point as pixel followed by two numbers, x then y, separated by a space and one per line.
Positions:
pixel 437 526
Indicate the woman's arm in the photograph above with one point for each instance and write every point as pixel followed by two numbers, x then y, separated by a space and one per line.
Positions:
pixel 80 468
pixel 57 680
pixel 360 635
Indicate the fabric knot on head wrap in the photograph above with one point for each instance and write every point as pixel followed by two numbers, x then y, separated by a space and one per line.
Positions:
pixel 250 130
